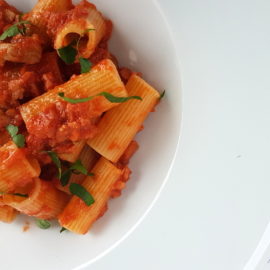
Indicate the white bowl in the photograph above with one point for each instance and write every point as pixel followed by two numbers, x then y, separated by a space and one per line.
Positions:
pixel 141 40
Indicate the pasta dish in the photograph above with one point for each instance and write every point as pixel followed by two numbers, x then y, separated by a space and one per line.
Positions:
pixel 69 114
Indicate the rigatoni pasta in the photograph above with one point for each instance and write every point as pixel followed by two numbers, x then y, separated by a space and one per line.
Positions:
pixel 51 6
pixel 78 217
pixel 68 115
pixel 49 118
pixel 16 169
pixel 119 126
pixel 44 201
pixel 7 213
pixel 88 158
pixel 36 16
pixel 102 78
pixel 87 31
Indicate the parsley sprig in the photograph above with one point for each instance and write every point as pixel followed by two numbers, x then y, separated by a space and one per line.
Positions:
pixel 63 229
pixel 81 192
pixel 64 177
pixel 69 53
pixel 15 29
pixel 108 96
pixel 75 168
pixel 162 95
pixel 15 194
pixel 55 159
pixel 86 65
pixel 18 139
pixel 43 224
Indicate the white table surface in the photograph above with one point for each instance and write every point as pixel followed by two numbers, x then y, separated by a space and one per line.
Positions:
pixel 216 205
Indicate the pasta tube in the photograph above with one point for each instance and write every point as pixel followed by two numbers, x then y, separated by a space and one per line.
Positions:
pixel 77 118
pixel 7 213
pixel 16 169
pixel 77 216
pixel 88 157
pixel 87 31
pixel 102 78
pixel 36 15
pixel 119 126
pixel 44 201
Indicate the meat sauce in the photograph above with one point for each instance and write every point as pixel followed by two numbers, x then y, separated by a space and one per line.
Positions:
pixel 56 21
pixel 20 83
pixel 62 123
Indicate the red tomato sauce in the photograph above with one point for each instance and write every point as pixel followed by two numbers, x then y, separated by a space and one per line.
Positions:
pixel 56 21
pixel 7 14
pixel 62 123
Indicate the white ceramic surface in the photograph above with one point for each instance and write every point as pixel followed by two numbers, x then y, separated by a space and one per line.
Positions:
pixel 221 180
pixel 144 45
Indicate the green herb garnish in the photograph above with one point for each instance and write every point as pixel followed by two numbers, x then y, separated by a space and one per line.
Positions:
pixel 20 195
pixel 82 193
pixel 18 139
pixel 108 96
pixel 75 168
pixel 15 194
pixel 78 168
pixel 43 224
pixel 74 101
pixel 12 130
pixel 64 179
pixel 114 99
pixel 68 54
pixel 162 94
pixel 63 229
pixel 17 28
pixel 56 161
pixel 89 30
pixel 85 65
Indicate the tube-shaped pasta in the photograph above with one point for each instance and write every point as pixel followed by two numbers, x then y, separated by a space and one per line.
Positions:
pixel 16 169
pixel 77 216
pixel 120 184
pixel 89 30
pixel 49 117
pixel 102 78
pixel 35 16
pixel 7 213
pixel 44 201
pixel 119 126
pixel 88 157
pixel 52 6
pixel 129 152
